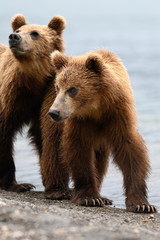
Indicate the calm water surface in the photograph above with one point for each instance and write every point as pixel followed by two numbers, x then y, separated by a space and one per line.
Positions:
pixel 131 30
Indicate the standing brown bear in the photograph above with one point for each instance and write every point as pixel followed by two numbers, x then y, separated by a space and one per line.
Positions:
pixel 25 73
pixel 95 101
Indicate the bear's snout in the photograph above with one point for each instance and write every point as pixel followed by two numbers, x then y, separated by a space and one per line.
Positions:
pixel 55 115
pixel 14 38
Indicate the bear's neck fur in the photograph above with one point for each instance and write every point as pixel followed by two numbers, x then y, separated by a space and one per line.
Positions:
pixel 23 83
pixel 28 71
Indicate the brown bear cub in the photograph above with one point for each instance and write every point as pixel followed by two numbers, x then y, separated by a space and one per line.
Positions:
pixel 25 73
pixel 95 101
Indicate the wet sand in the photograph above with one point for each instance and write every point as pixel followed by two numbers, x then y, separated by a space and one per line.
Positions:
pixel 29 216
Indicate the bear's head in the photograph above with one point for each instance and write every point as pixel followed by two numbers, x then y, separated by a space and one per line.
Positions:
pixel 35 41
pixel 79 86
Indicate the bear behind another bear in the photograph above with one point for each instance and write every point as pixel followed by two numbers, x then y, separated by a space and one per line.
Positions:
pixel 25 73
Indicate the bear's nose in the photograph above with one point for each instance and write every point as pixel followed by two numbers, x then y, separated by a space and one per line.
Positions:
pixel 14 38
pixel 54 114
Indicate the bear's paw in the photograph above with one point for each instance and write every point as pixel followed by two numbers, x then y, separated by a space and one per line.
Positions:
pixel 58 194
pixel 24 187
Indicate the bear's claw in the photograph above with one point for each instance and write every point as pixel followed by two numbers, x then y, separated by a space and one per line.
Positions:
pixel 107 201
pixel 92 202
pixel 142 208
pixel 145 209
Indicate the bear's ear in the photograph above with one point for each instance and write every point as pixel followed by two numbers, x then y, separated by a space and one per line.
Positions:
pixel 18 21
pixel 59 60
pixel 94 63
pixel 57 23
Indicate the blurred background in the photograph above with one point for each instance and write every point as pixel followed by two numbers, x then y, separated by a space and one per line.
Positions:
pixel 131 29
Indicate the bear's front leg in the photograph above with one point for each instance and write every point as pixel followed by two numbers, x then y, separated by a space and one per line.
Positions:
pixel 77 145
pixel 130 154
pixel 55 175
pixel 7 166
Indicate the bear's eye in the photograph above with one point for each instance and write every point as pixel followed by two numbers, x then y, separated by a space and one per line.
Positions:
pixel 72 91
pixel 17 31
pixel 34 35
pixel 57 89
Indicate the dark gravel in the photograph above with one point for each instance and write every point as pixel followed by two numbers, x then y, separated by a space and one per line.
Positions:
pixel 29 216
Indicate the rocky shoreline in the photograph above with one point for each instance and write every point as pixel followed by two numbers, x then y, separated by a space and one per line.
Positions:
pixel 28 216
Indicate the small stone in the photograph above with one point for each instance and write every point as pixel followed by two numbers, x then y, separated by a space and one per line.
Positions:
pixel 17 234
pixel 151 216
pixel 2 204
pixel 126 220
pixel 136 231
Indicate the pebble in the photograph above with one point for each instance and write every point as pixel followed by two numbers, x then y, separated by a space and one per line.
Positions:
pixel 2 204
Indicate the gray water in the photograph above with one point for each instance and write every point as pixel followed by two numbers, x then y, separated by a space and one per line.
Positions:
pixel 131 29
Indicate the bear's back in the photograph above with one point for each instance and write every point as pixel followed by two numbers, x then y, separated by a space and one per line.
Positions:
pixel 114 64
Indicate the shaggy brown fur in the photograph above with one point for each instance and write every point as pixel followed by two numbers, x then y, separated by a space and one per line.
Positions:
pixel 55 176
pixel 95 99
pixel 25 72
